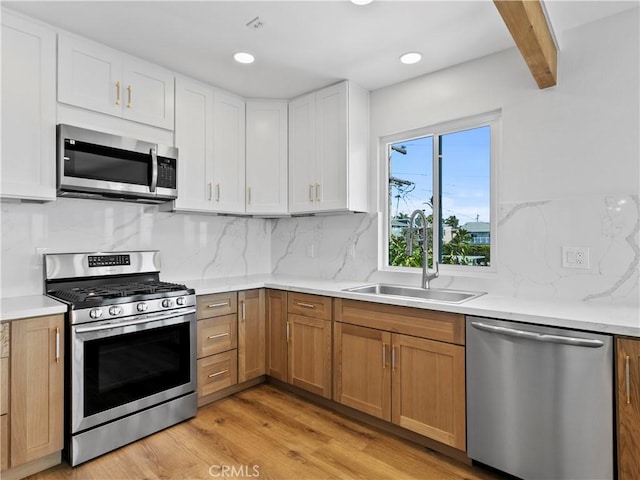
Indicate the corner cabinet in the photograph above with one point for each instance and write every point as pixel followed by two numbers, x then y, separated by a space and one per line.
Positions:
pixel 98 78
pixel 251 334
pixel 628 399
pixel 402 365
pixel 328 150
pixel 33 362
pixel 28 110
pixel 267 154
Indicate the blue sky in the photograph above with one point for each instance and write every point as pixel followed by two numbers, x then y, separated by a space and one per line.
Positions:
pixel 465 174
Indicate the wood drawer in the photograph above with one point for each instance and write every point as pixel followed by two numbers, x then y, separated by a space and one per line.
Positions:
pixel 309 305
pixel 217 334
pixel 217 304
pixel 430 324
pixel 4 386
pixel 217 372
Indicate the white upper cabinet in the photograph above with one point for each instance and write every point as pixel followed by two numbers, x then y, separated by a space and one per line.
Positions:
pixel 194 139
pixel 28 110
pixel 266 161
pixel 328 150
pixel 228 152
pixel 104 80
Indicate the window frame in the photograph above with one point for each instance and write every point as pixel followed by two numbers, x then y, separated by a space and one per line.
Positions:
pixel 494 121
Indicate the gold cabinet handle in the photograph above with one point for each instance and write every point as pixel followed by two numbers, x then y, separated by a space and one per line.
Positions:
pixel 217 192
pixel 212 375
pixel 249 195
pixel 244 312
pixel 626 379
pixel 317 192
pixel 288 331
pixel 118 92
pixel 393 358
pixel 130 90
pixel 210 191
pixel 311 192
pixel 57 345
pixel 218 305
pixel 219 335
pixel 306 305
pixel 384 355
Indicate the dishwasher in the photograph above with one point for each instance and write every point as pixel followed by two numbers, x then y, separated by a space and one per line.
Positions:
pixel 539 400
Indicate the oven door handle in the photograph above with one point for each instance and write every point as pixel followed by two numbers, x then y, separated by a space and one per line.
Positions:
pixel 146 319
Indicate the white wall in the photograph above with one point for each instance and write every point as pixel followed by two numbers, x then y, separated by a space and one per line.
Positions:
pixel 568 171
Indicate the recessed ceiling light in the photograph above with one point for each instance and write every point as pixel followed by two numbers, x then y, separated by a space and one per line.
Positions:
pixel 411 57
pixel 243 57
pixel 361 2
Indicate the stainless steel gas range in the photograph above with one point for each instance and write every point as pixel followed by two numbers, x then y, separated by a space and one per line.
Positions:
pixel 131 348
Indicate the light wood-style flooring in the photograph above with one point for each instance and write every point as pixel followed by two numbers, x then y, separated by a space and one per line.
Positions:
pixel 266 433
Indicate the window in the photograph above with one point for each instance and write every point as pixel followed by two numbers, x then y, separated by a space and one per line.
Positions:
pixel 446 172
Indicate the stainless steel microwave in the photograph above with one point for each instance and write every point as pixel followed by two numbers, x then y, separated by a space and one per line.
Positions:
pixel 99 165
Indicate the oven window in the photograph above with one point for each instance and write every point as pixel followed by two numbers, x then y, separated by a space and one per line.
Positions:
pixel 124 368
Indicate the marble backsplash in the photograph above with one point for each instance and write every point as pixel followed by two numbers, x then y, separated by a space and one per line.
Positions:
pixel 342 247
pixel 192 246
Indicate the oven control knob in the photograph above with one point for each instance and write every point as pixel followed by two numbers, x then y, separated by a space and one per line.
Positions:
pixel 95 313
pixel 114 311
pixel 181 301
pixel 167 303
pixel 142 307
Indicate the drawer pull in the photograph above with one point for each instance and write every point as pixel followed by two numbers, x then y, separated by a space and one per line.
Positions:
pixel 384 355
pixel 212 375
pixel 219 335
pixel 626 379
pixel 393 358
pixel 288 331
pixel 218 305
pixel 306 305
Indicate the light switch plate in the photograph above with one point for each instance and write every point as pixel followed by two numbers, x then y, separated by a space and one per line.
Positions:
pixel 575 257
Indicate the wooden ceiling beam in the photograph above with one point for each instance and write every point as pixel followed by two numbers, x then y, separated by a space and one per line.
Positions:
pixel 528 26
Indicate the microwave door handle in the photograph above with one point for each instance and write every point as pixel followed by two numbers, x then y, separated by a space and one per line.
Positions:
pixel 154 171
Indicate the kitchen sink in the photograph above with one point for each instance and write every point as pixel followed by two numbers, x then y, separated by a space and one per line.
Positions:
pixel 430 294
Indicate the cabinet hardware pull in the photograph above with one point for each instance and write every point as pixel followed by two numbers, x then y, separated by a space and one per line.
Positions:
pixel 310 192
pixel 217 305
pixel 244 316
pixel 249 195
pixel 210 191
pixel 317 192
pixel 57 345
pixel 130 90
pixel 217 192
pixel 118 92
pixel 306 305
pixel 211 375
pixel 219 335
pixel 626 379
pixel 393 358
pixel 288 337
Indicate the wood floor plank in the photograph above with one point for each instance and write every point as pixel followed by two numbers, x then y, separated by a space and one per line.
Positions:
pixel 267 433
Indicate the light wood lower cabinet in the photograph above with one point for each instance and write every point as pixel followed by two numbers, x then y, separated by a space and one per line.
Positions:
pixel 251 334
pixel 628 399
pixel 32 394
pixel 299 340
pixel 417 383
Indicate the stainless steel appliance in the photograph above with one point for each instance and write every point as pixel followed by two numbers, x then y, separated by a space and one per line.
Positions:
pixel 131 348
pixel 539 400
pixel 98 165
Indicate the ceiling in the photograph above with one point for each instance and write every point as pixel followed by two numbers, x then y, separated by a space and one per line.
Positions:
pixel 302 45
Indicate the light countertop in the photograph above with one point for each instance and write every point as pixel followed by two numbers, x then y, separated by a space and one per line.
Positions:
pixel 595 317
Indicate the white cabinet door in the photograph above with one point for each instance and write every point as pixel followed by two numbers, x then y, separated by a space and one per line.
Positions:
pixel 89 76
pixel 266 157
pixel 98 78
pixel 194 139
pixel 148 93
pixel 228 152
pixel 331 147
pixel 302 155
pixel 28 110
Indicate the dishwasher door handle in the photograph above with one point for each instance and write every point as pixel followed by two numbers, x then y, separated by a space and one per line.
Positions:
pixel 538 337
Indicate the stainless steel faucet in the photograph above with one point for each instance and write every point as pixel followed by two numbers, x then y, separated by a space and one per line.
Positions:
pixel 426 276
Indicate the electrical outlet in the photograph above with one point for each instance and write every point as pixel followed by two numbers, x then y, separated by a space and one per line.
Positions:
pixel 575 257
